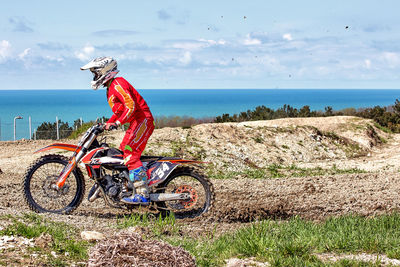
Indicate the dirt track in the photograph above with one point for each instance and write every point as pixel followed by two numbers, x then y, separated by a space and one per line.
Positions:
pixel 240 201
pixel 246 200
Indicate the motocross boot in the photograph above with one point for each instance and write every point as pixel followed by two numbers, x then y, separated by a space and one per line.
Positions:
pixel 139 178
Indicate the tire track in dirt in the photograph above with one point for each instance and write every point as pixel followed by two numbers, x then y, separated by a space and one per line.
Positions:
pixel 245 200
pixel 312 198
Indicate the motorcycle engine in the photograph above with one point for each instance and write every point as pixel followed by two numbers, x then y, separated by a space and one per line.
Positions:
pixel 111 188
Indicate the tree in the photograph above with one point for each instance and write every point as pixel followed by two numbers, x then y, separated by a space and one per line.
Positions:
pixel 48 130
pixel 328 111
pixel 396 107
pixel 304 111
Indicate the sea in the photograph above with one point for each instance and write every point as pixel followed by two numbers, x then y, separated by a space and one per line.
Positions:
pixel 69 105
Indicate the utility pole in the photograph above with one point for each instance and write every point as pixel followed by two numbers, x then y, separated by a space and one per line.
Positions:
pixel 15 127
pixel 58 133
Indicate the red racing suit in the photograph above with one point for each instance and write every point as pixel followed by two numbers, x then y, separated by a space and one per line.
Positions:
pixel 129 106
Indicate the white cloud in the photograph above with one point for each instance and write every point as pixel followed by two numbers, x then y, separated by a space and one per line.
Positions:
pixel 5 50
pixel 190 45
pixel 251 41
pixel 186 59
pixel 392 59
pixel 86 53
pixel 57 59
pixel 213 42
pixel 197 44
pixel 367 63
pixel 24 54
pixel 287 36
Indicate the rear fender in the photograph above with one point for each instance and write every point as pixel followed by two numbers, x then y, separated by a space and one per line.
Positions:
pixel 67 147
pixel 159 170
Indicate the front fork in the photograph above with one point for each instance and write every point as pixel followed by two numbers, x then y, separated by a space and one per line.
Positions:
pixel 76 157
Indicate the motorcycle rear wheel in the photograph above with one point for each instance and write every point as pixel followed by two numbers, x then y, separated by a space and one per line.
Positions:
pixel 187 180
pixel 39 192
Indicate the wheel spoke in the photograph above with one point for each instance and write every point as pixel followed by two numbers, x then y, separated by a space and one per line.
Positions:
pixel 195 186
pixel 41 191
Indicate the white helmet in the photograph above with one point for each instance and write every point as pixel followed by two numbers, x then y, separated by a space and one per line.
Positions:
pixel 103 69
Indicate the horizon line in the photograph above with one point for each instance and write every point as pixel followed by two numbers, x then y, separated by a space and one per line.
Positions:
pixel 101 89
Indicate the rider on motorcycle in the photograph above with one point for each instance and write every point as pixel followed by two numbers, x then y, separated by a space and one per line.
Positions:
pixel 128 106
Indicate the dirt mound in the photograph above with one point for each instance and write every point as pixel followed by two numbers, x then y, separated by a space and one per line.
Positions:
pixel 258 144
pixel 129 249
pixel 239 146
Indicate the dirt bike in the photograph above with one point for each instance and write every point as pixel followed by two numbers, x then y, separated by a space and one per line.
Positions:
pixel 55 183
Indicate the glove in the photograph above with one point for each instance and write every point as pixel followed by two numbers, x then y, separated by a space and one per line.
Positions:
pixel 112 126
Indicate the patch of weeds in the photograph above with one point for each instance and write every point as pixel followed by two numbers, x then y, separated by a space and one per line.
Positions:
pixel 335 170
pixel 133 220
pixel 177 148
pixel 332 135
pixel 279 171
pixel 65 237
pixel 285 147
pixel 200 154
pixel 158 226
pixel 165 225
pixel 258 139
pixel 215 173
pixel 273 170
pixel 295 242
pixel 383 140
pixel 255 173
pixel 296 171
pixel 382 128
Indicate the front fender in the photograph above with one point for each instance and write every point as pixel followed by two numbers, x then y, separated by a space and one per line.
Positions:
pixel 68 147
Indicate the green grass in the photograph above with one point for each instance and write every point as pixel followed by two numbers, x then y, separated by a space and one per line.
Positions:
pixel 158 226
pixel 279 171
pixel 295 242
pixel 65 237
pixel 382 128
pixel 258 139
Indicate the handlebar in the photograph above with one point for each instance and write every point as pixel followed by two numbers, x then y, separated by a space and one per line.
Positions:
pixel 101 127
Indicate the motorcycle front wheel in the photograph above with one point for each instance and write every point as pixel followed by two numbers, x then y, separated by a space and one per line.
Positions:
pixel 189 181
pixel 40 191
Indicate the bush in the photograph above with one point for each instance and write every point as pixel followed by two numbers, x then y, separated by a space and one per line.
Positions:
pixel 48 130
pixel 386 117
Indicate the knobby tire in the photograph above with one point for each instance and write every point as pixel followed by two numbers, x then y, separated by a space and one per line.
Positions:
pixel 187 171
pixel 34 171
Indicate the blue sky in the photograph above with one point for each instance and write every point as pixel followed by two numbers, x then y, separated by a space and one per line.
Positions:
pixel 202 44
